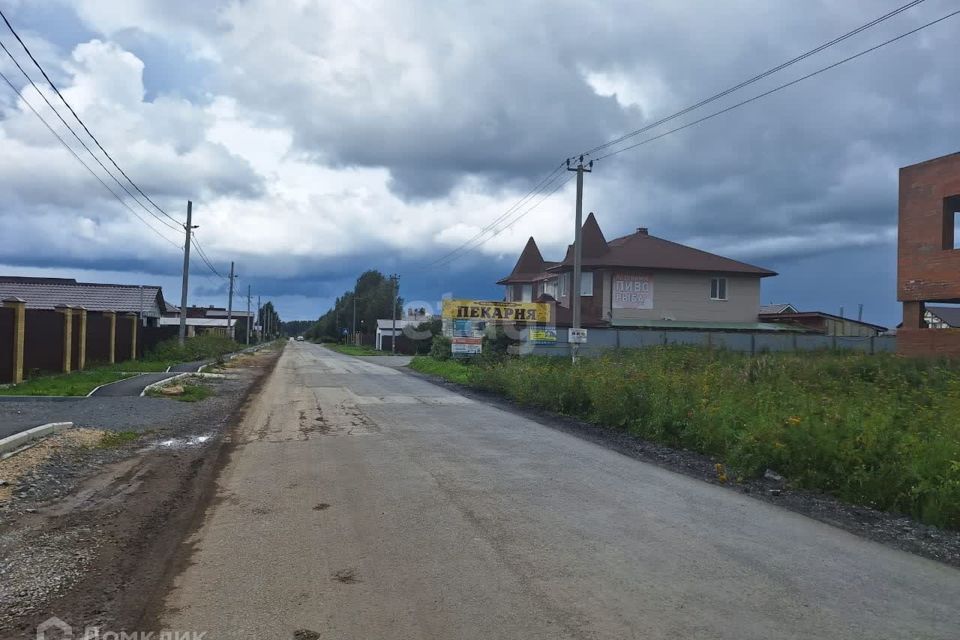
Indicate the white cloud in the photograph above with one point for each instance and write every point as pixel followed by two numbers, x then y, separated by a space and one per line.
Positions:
pixel 377 132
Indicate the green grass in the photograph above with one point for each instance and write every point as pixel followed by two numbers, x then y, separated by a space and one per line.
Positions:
pixel 354 350
pixel 447 369
pixel 199 348
pixel 78 383
pixel 114 439
pixel 166 354
pixel 880 431
pixel 192 392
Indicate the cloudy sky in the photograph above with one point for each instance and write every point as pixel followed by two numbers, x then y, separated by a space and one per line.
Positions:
pixel 320 139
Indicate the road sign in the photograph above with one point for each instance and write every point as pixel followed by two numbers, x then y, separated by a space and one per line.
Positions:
pixel 465 346
pixel 577 336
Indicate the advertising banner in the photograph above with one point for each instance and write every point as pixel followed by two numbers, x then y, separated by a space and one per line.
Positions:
pixel 632 291
pixel 497 312
pixel 542 336
pixel 464 346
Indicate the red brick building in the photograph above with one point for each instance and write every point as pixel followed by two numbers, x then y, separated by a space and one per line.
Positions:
pixel 928 259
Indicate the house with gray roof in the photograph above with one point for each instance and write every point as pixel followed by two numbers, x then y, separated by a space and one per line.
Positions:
pixel 49 293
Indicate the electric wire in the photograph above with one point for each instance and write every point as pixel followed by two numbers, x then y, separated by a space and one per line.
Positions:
pixel 779 87
pixel 85 165
pixel 545 196
pixel 82 124
pixel 80 140
pixel 537 188
pixel 755 78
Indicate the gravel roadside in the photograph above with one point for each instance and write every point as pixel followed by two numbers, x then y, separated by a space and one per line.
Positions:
pixel 88 533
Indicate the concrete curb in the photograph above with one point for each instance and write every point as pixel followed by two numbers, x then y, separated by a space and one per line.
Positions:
pixel 160 383
pixel 18 440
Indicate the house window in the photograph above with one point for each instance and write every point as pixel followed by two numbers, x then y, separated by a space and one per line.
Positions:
pixel 586 283
pixel 526 293
pixel 550 287
pixel 951 222
pixel 563 284
pixel 718 289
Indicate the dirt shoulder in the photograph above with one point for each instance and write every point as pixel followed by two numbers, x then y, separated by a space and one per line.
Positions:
pixel 894 530
pixel 89 532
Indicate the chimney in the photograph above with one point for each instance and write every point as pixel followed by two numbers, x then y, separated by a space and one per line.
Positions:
pixel 643 231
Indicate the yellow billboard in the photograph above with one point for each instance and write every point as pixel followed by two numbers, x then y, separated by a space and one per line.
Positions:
pixel 492 311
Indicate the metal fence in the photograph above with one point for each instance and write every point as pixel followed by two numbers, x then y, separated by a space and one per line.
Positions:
pixel 600 340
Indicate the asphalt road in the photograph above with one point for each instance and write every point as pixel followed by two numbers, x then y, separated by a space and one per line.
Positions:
pixel 361 502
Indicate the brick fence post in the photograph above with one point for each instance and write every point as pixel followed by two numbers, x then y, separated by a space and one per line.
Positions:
pixel 111 317
pixel 67 343
pixel 134 321
pixel 19 324
pixel 82 334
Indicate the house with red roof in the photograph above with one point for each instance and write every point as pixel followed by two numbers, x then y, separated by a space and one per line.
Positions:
pixel 640 280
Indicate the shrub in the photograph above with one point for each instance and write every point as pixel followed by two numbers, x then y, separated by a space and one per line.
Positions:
pixel 205 347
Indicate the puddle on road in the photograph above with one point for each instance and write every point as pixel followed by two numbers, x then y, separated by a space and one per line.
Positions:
pixel 172 444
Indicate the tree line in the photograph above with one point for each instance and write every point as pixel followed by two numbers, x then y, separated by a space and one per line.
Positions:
pixel 357 311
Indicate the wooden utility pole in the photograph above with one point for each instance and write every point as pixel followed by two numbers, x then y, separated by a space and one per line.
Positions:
pixel 577 253
pixel 259 320
pixel 395 278
pixel 186 273
pixel 230 304
pixel 248 315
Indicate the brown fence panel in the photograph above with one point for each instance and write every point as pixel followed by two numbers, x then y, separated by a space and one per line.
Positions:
pixel 6 345
pixel 42 342
pixel 75 343
pixel 124 337
pixel 150 337
pixel 98 339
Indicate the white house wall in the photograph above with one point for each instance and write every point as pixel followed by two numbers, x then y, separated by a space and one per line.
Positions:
pixel 686 297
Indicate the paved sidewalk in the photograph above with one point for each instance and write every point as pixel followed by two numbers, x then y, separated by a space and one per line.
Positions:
pixel 131 387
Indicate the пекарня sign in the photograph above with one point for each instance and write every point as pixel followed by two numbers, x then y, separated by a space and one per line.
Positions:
pixel 491 311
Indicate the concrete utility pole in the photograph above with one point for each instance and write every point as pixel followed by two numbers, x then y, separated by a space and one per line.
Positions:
pixel 259 320
pixel 248 315
pixel 577 253
pixel 354 317
pixel 395 278
pixel 230 304
pixel 189 227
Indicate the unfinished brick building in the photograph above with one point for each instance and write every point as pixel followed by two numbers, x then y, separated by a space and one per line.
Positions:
pixel 928 253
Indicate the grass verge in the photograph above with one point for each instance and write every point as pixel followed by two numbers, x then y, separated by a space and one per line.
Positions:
pixel 879 431
pixel 164 355
pixel 78 383
pixel 114 439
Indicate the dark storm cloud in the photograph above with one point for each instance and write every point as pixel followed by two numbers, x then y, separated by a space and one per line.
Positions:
pixel 494 95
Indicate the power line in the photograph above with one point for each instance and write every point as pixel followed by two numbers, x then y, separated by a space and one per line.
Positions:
pixel 85 165
pixel 537 188
pixel 756 78
pixel 519 217
pixel 780 87
pixel 82 124
pixel 545 182
pixel 82 143
pixel 203 256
